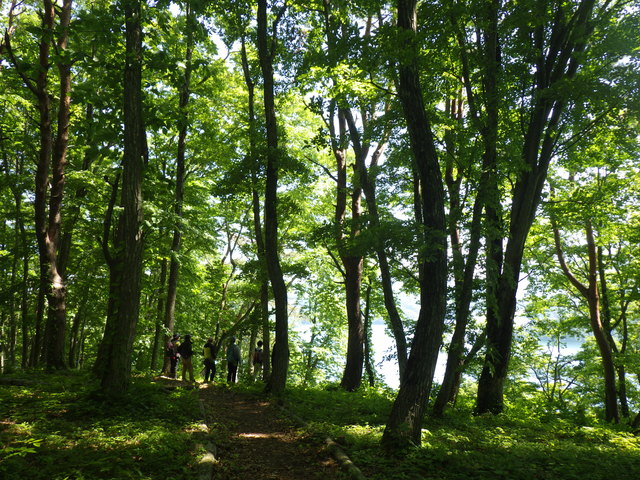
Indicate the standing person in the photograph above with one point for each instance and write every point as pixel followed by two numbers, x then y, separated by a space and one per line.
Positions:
pixel 209 361
pixel 257 359
pixel 233 359
pixel 171 351
pixel 186 352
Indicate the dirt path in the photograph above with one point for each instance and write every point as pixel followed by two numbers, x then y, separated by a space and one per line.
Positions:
pixel 254 440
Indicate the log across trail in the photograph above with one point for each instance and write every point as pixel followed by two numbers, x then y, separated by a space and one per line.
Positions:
pixel 253 439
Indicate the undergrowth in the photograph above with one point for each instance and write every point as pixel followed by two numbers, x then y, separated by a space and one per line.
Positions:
pixel 56 427
pixel 462 446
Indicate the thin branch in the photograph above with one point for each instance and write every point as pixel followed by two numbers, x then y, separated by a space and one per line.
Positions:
pixel 584 290
pixel 324 168
pixel 336 262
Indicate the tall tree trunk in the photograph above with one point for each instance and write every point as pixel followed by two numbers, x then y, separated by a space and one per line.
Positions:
pixel 592 296
pixel 608 329
pixel 183 122
pixel 405 421
pixel 367 180
pixel 352 273
pixel 24 283
pixel 263 276
pixel 44 159
pixel 21 254
pixel 368 360
pixel 353 264
pixel 52 159
pixel 280 356
pixel 464 269
pixel 35 356
pixel 76 334
pixel 558 61
pixel 344 235
pixel 10 342
pixel 622 390
pixel 56 325
pixel 599 332
pixel 127 268
pixel 100 364
pixel 24 304
pixel 264 283
pixel 352 376
pixel 266 332
pixel 161 339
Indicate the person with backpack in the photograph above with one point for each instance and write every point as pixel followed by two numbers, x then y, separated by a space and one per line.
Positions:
pixel 233 360
pixel 186 353
pixel 171 352
pixel 257 359
pixel 209 361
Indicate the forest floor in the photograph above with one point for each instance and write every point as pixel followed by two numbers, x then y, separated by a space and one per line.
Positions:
pixel 59 426
pixel 254 439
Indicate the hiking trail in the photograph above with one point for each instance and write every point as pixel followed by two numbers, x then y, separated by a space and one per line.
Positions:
pixel 253 439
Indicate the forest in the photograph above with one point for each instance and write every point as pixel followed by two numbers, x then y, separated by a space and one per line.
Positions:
pixel 464 172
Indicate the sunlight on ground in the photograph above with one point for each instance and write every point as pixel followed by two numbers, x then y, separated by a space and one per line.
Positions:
pixel 256 435
pixel 279 436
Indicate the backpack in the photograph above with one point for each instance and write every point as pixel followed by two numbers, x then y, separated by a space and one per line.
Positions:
pixel 209 351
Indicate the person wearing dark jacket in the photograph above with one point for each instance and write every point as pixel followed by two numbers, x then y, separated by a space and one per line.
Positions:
pixel 233 359
pixel 186 353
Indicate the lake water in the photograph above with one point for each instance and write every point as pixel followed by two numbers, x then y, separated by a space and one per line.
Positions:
pixel 383 345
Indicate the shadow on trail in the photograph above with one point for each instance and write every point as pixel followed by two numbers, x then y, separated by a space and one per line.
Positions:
pixel 253 438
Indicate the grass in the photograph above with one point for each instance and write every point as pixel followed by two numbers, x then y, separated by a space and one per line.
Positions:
pixel 463 446
pixel 58 428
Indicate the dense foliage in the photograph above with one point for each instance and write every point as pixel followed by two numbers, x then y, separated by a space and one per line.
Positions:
pixel 463 171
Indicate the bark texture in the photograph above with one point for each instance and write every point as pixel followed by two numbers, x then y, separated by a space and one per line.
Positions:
pixel 591 294
pixel 559 45
pixel 127 267
pixel 280 356
pixel 404 426
pixel 183 122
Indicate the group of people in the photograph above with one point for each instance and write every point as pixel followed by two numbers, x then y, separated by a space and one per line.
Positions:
pixel 177 350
